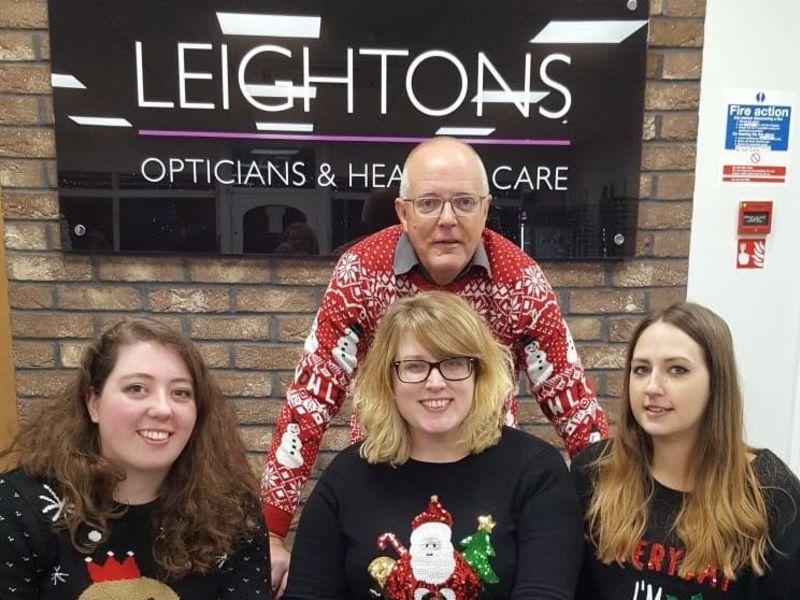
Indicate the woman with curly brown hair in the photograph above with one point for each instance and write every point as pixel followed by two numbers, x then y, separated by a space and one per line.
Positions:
pixel 133 483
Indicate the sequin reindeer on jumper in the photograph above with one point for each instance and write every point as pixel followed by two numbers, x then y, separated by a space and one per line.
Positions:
pixel 121 580
pixel 431 569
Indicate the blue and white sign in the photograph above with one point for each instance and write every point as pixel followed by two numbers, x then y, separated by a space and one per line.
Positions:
pixel 758 126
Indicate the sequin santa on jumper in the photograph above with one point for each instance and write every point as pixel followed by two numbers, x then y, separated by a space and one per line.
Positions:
pixel 432 568
pixel 505 286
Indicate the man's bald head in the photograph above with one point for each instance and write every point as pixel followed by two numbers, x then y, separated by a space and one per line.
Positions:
pixel 442 144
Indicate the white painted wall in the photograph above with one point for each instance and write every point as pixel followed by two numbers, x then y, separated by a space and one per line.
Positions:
pixel 752 44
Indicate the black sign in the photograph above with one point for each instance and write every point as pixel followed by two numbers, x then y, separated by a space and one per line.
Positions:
pixel 267 126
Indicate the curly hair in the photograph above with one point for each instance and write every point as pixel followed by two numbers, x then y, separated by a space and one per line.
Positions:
pixel 445 325
pixel 208 500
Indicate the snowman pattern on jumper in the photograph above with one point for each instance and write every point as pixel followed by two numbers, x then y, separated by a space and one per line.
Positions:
pixel 311 343
pixel 536 363
pixel 288 453
pixel 344 354
pixel 121 580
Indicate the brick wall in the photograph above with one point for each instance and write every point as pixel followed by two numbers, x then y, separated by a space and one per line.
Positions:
pixel 249 316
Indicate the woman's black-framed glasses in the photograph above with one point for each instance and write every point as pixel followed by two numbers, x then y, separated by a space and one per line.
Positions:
pixel 456 368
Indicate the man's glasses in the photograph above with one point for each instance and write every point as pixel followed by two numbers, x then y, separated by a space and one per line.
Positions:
pixel 432 206
pixel 415 370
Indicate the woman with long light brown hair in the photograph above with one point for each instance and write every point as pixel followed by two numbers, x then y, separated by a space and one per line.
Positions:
pixel 677 504
pixel 133 483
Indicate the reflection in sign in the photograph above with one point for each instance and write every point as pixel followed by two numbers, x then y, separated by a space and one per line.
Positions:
pixel 267 127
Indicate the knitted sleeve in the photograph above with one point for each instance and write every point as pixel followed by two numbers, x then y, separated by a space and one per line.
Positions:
pixel 547 352
pixel 330 355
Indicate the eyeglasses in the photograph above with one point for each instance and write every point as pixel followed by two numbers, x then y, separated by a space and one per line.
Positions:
pixel 415 370
pixel 432 206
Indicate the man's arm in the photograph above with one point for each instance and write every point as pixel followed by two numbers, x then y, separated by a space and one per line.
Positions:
pixel 547 352
pixel 315 395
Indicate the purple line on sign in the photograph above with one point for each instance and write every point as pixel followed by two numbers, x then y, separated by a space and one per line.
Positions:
pixel 373 139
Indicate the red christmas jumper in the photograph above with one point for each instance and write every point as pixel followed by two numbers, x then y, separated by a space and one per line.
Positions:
pixel 509 291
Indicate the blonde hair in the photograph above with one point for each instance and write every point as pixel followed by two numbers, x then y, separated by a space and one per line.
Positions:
pixel 446 326
pixel 723 521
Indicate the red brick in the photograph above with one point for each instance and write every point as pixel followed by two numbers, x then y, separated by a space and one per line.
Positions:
pixel 27 142
pixel 685 8
pixel 294 329
pixel 26 236
pixel 614 383
pixel 569 274
pixel 49 268
pixel 620 329
pixel 140 268
pixel 654 60
pixel 23 14
pixel 29 355
pixel 671 243
pixel 50 325
pixel 650 273
pixel 31 205
pixel 668 157
pixel 190 300
pixel 674 186
pixel 672 33
pixel 644 244
pixel 71 353
pixel 229 328
pixel 99 298
pixel 684 64
pixel 19 110
pixel 605 356
pixel 19 173
pixel 656 7
pixel 216 356
pixel 606 301
pixel 585 328
pixel 257 412
pixel 303 272
pixel 663 297
pixel 256 438
pixel 277 299
pixel 24 79
pixel 239 384
pixel 16 46
pixel 649 127
pixel 44 383
pixel 267 357
pixel 678 126
pixel 21 295
pixel 645 185
pixel 229 270
pixel 671 95
pixel 665 215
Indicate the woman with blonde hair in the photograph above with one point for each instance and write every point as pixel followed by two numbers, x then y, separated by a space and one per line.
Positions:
pixel 439 501
pixel 677 505
pixel 133 483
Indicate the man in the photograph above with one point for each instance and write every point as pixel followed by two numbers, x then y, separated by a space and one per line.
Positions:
pixel 441 243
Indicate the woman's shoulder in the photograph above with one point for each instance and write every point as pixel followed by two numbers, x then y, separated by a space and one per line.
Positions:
pixel 18 483
pixel 771 471
pixel 586 457
pixel 524 446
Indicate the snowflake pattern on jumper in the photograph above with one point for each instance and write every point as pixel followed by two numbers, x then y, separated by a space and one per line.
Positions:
pixel 516 302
